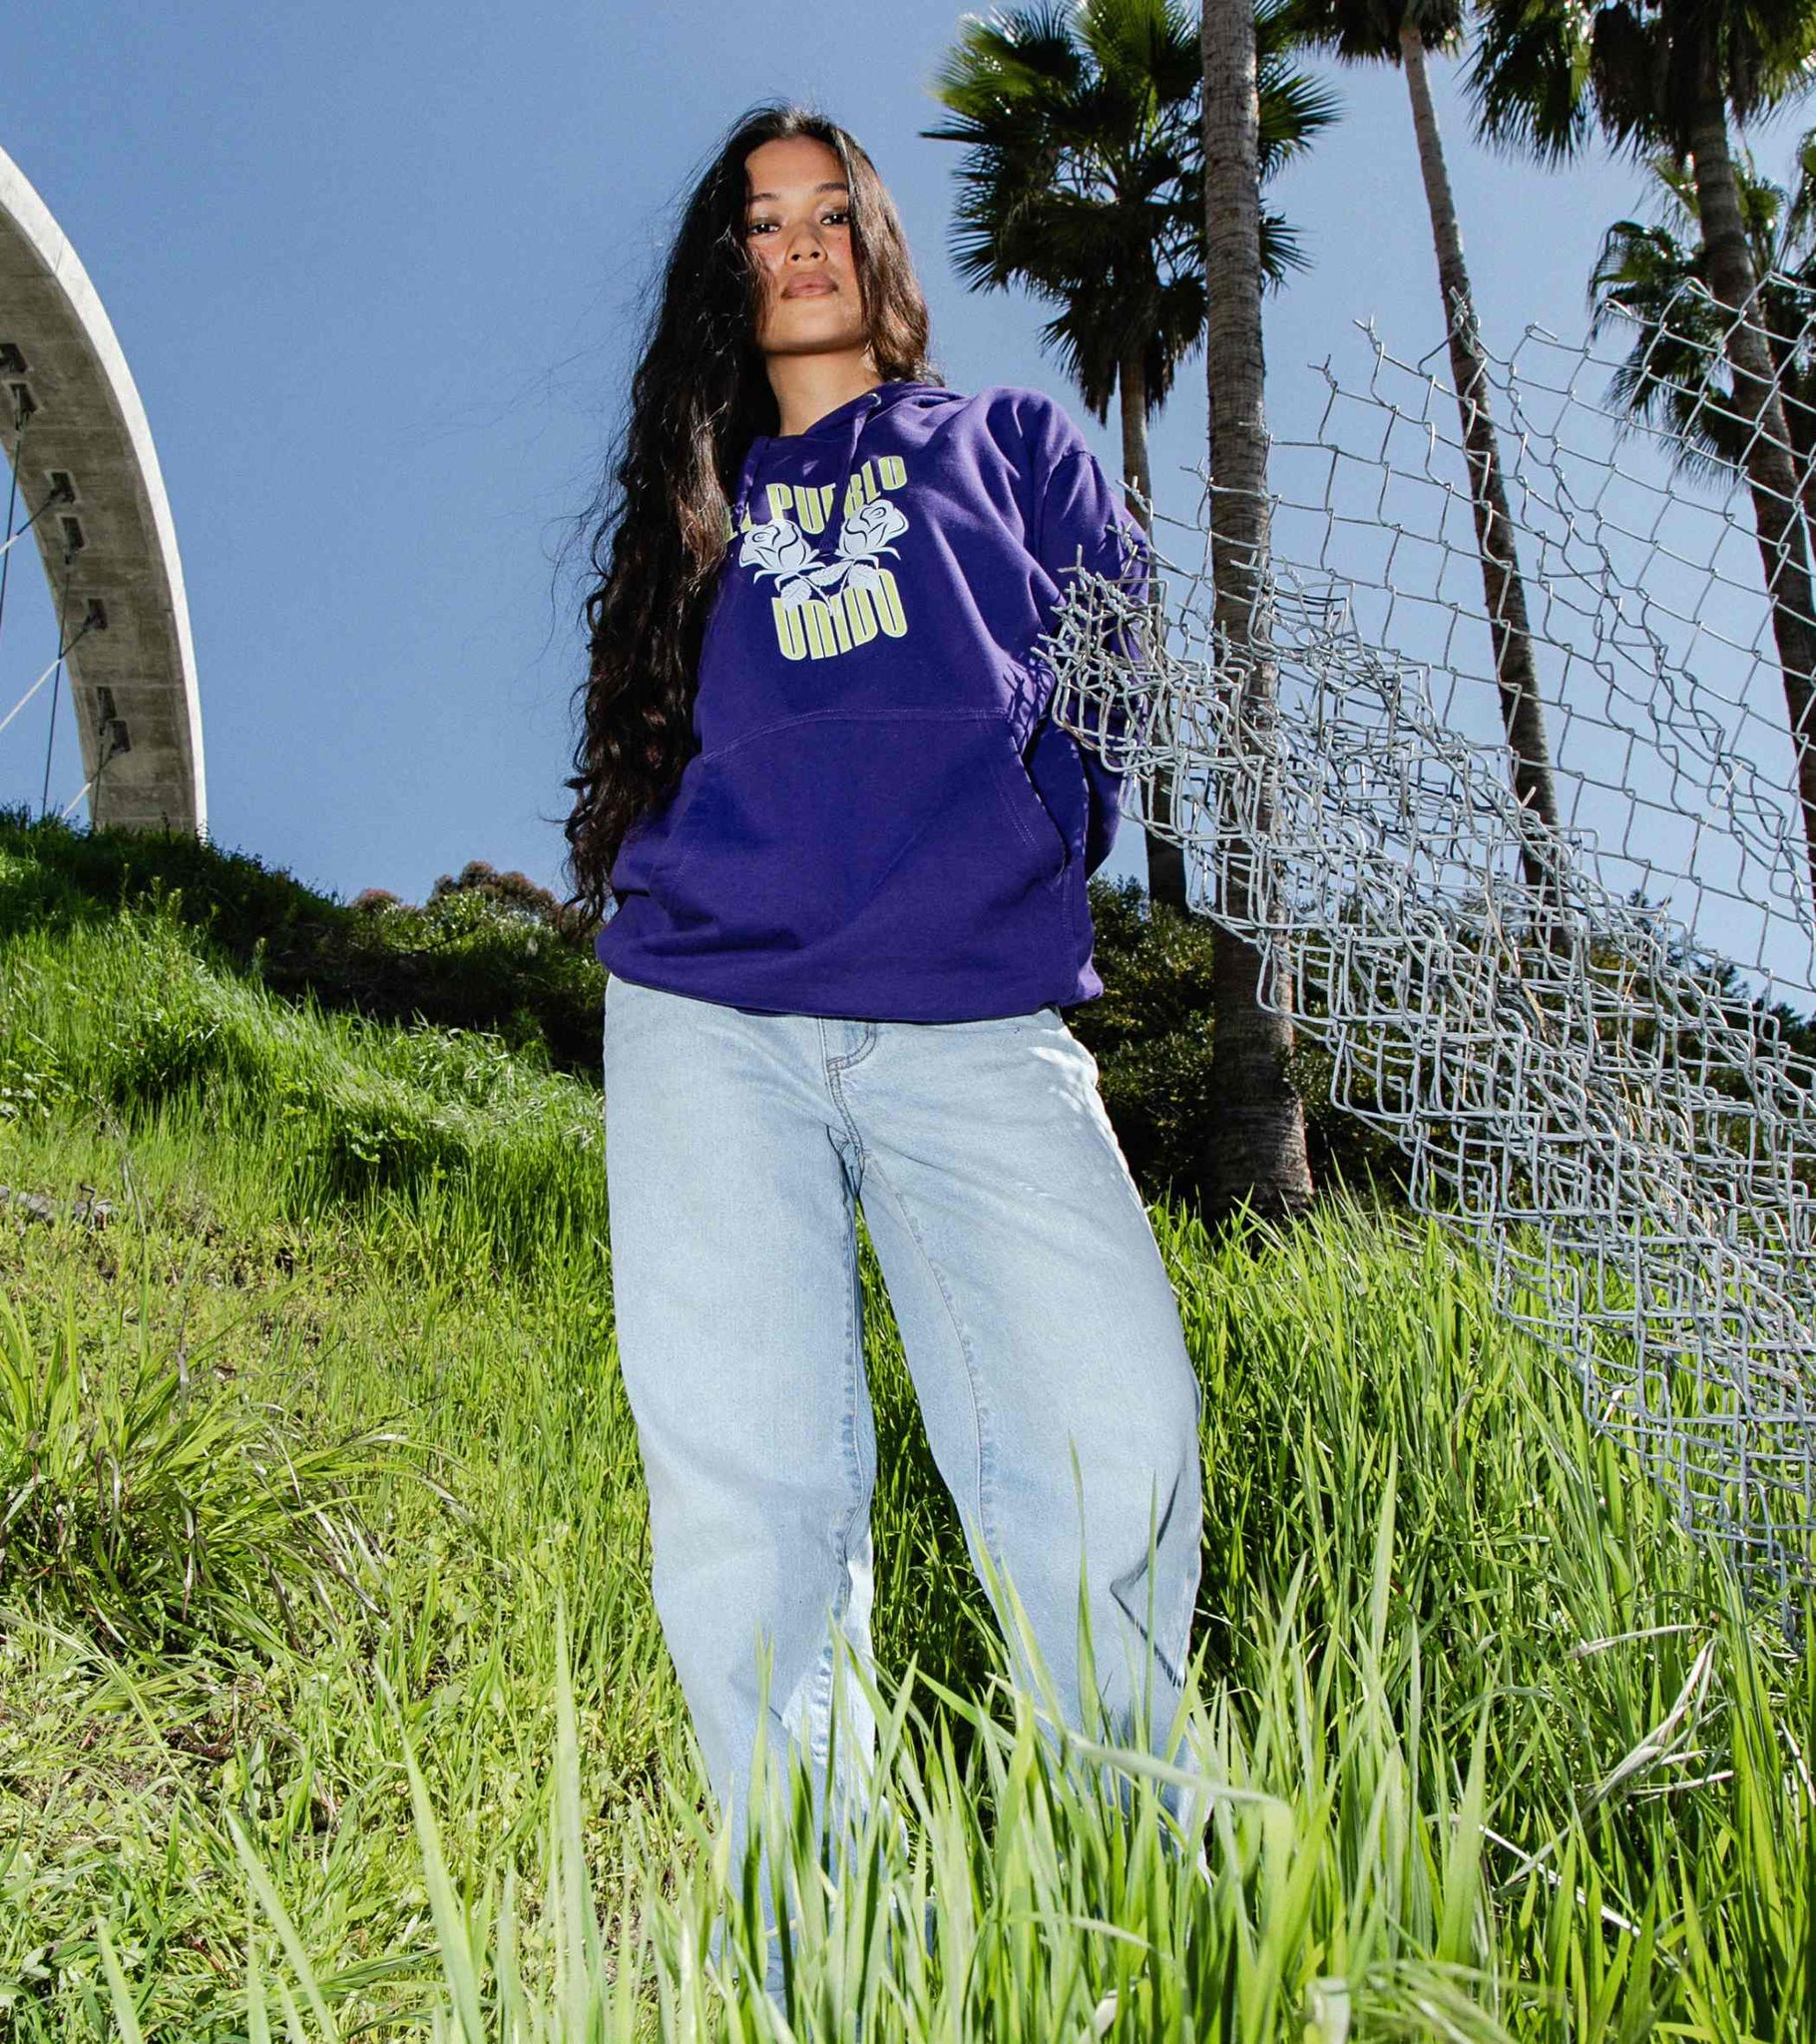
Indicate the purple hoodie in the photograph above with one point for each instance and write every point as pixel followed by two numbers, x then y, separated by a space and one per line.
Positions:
pixel 882 821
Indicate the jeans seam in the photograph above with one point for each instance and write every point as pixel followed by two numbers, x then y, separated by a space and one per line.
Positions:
pixel 835 1072
pixel 854 1381
pixel 836 1065
pixel 986 1463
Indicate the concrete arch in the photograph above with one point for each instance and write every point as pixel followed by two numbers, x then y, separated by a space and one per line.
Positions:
pixel 131 664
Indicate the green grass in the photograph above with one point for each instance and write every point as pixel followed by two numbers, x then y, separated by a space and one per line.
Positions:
pixel 149 1500
pixel 1490 1749
pixel 473 956
pixel 480 959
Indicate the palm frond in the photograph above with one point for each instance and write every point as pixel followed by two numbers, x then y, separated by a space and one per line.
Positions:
pixel 1675 379
pixel 1083 179
pixel 1529 78
pixel 1547 75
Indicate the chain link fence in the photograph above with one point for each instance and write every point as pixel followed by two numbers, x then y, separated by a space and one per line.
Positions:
pixel 1583 1030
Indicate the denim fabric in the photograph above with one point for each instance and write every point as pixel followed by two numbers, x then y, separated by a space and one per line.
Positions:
pixel 1038 1323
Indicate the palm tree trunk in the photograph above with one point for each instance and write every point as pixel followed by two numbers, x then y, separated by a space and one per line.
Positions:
pixel 1521 712
pixel 1259 1132
pixel 1770 470
pixel 1800 438
pixel 1803 455
pixel 1165 857
pixel 1132 389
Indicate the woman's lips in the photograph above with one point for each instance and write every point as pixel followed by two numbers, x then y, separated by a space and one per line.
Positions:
pixel 815 290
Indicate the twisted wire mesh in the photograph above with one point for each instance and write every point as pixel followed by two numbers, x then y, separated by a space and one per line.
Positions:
pixel 1580 1037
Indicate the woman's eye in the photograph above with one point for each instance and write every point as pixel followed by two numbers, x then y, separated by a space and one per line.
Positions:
pixel 835 216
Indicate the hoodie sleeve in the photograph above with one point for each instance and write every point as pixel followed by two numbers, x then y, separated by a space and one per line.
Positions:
pixel 1083 524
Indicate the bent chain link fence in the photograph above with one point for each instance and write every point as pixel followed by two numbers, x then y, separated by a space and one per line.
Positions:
pixel 1585 1039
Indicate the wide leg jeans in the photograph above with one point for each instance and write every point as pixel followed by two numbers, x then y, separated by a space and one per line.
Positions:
pixel 1037 1318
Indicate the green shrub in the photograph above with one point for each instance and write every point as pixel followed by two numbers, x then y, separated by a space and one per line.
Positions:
pixel 1152 1034
pixel 150 1503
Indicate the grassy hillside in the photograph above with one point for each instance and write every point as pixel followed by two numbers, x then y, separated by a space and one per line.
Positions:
pixel 479 955
pixel 494 953
pixel 332 1702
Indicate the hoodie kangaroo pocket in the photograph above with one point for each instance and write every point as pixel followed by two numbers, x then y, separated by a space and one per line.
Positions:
pixel 883 830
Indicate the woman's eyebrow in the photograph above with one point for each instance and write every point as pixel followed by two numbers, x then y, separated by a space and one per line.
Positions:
pixel 836 184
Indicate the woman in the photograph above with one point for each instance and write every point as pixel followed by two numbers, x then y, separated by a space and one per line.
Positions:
pixel 848 851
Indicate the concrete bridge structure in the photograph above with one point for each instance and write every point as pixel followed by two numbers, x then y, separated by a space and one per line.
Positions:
pixel 75 432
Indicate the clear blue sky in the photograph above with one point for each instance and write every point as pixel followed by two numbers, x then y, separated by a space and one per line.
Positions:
pixel 377 269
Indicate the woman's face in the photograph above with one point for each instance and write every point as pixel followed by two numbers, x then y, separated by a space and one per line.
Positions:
pixel 797 220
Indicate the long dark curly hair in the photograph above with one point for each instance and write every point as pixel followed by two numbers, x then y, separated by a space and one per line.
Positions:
pixel 699 395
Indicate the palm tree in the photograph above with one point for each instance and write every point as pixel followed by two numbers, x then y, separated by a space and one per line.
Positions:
pixel 1547 75
pixel 1675 376
pixel 1403 32
pixel 1261 1129
pixel 1083 182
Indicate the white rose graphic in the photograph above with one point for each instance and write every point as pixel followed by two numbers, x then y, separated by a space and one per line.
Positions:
pixel 781 553
pixel 777 549
pixel 867 532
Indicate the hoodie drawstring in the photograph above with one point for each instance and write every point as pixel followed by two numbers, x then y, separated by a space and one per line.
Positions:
pixel 747 476
pixel 836 521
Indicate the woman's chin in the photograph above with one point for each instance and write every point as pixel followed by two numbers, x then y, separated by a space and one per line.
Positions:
pixel 815 325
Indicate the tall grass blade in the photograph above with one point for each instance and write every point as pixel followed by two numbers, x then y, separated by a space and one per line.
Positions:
pixel 280 1921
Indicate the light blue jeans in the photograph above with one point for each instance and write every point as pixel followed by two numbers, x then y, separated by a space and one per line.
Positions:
pixel 1037 1318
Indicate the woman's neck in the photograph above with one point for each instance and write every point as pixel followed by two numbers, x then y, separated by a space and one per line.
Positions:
pixel 808 386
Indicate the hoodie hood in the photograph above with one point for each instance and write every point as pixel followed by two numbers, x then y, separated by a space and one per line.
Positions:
pixel 839 433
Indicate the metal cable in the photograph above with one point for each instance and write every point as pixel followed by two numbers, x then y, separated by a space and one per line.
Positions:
pixel 20 417
pixel 63 646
